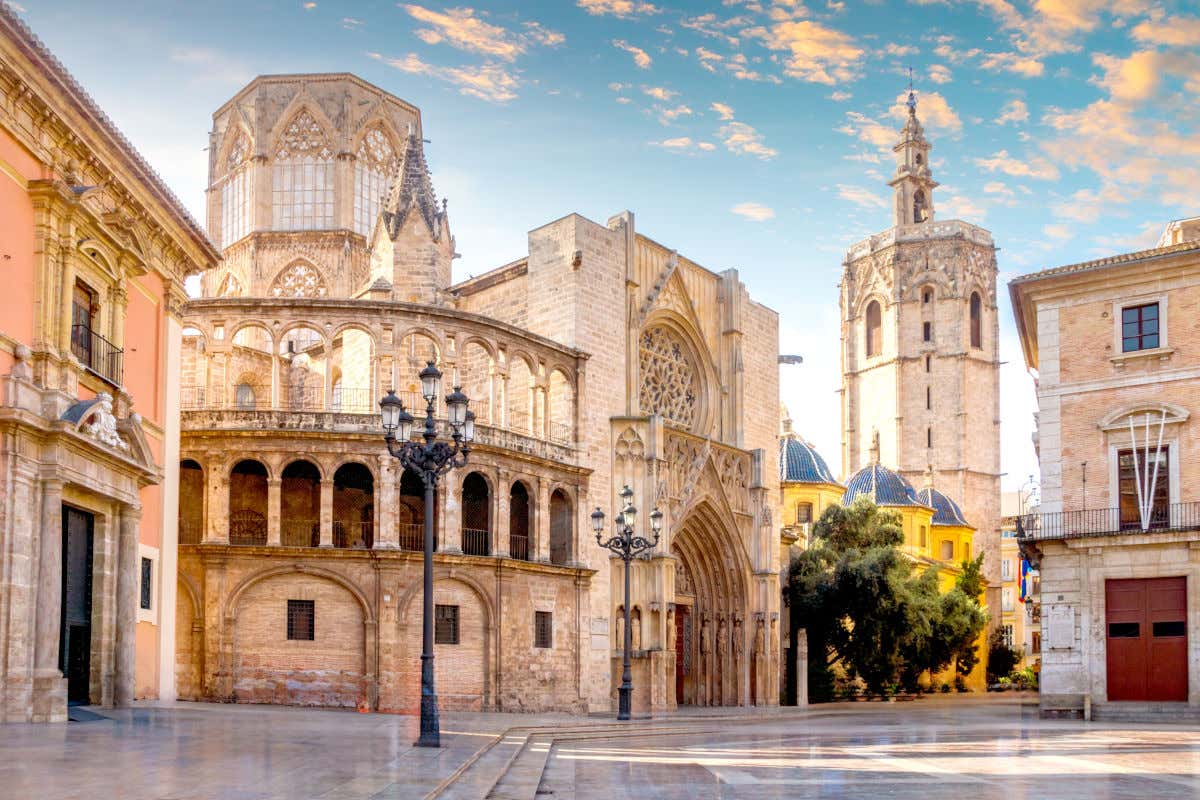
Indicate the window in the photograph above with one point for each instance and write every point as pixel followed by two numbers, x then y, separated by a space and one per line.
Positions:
pixel 966 551
pixel 147 584
pixel 301 615
pixel 947 550
pixel 929 363
pixel 1006 600
pixel 245 396
pixel 927 296
pixel 874 328
pixel 1006 635
pixel 804 513
pixel 1036 643
pixel 1169 629
pixel 919 213
pixel 928 398
pixel 374 164
pixel 1132 467
pixel 302 178
pixel 84 309
pixel 1139 327
pixel 543 629
pixel 924 538
pixel 929 437
pixel 927 331
pixel 976 320
pixel 1124 630
pixel 445 624
pixel 1006 569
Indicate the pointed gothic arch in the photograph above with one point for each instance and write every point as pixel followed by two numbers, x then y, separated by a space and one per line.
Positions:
pixel 675 375
pixel 300 278
pixel 376 163
pixel 302 175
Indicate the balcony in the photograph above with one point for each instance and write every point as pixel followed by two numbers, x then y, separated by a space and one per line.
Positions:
pixel 98 354
pixel 1164 518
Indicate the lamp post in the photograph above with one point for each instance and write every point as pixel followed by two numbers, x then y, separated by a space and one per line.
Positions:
pixel 430 459
pixel 626 545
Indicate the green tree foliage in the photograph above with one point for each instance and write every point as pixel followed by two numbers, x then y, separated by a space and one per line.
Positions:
pixel 864 607
pixel 1002 659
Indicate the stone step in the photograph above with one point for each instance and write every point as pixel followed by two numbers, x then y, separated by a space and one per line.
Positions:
pixel 478 777
pixel 524 775
pixel 1181 713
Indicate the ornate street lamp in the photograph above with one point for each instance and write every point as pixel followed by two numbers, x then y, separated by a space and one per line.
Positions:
pixel 627 546
pixel 430 459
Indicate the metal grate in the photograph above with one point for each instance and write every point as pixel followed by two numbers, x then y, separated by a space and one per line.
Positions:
pixel 445 625
pixel 301 618
pixel 147 576
pixel 543 629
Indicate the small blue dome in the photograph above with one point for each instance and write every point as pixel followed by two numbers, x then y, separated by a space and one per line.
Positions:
pixel 799 462
pixel 881 485
pixel 945 510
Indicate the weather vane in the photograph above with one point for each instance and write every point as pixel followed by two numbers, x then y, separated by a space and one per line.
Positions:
pixel 912 95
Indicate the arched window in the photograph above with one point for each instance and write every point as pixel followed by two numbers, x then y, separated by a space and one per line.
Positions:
pixel 519 522
pixel 302 176
pixel 920 159
pixel 874 328
pixel 191 502
pixel 918 206
pixel 476 516
pixel 804 513
pixel 353 506
pixel 237 192
pixel 924 538
pixel 373 167
pixel 976 320
pixel 947 550
pixel 560 528
pixel 927 296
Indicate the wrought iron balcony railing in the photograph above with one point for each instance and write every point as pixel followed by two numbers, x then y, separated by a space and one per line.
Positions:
pixel 1162 518
pixel 98 354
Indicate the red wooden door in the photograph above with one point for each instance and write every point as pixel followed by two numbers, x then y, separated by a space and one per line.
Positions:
pixel 1147 639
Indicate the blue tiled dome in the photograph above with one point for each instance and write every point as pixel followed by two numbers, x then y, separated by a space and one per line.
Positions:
pixel 799 462
pixel 945 510
pixel 882 485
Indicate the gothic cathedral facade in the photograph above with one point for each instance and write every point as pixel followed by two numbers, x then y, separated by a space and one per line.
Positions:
pixel 920 349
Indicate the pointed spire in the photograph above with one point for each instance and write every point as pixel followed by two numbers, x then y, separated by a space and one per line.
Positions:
pixel 875 446
pixel 785 420
pixel 412 186
pixel 913 181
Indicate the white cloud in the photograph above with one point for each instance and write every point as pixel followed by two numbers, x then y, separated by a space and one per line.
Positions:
pixel 958 206
pixel 1057 231
pixel 307 6
pixel 658 93
pixel 617 8
pixel 755 212
pixel 490 82
pixel 640 57
pixel 742 139
pixel 932 108
pixel 1033 167
pixel 212 65
pixel 1014 111
pixel 940 73
pixel 815 53
pixel 840 97
pixel 1013 62
pixel 668 115
pixel 860 196
pixel 684 144
pixel 723 111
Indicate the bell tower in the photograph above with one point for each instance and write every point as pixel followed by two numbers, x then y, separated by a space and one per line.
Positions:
pixel 920 349
pixel 913 183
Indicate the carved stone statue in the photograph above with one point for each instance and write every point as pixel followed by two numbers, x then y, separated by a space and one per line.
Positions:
pixel 620 627
pixel 635 623
pixel 671 630
pixel 760 663
pixel 103 427
pixel 722 693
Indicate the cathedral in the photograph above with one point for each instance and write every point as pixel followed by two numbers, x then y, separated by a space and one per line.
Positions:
pixel 600 359
pixel 920 350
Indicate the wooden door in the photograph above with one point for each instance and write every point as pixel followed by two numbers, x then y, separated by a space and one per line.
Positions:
pixel 683 649
pixel 75 637
pixel 1146 652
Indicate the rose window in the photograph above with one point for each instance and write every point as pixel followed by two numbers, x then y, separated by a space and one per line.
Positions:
pixel 300 280
pixel 669 380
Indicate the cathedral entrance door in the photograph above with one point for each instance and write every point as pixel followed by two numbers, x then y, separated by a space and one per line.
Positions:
pixel 683 649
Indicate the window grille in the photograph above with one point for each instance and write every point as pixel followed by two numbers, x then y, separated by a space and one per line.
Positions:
pixel 147 586
pixel 927 331
pixel 543 629
pixel 301 617
pixel 445 624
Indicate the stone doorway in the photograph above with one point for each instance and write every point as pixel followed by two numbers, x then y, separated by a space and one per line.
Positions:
pixel 75 648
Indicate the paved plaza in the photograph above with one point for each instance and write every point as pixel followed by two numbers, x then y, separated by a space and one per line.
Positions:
pixel 978 747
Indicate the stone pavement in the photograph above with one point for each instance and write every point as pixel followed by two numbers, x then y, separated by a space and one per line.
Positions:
pixel 981 747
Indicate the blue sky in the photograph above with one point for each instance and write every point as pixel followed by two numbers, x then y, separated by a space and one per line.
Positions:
pixel 746 134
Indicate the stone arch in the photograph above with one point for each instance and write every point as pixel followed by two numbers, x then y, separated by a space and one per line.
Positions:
pixel 192 493
pixel 253 335
pixel 562 527
pixel 353 353
pixel 522 377
pixel 711 554
pixel 562 405
pixel 189 639
pixel 248 479
pixel 294 113
pixel 353 504
pixel 332 669
pixel 520 520
pixel 476 507
pixel 676 373
pixel 102 257
pixel 476 364
pixel 237 147
pixel 300 503
pixel 466 689
pixel 1173 413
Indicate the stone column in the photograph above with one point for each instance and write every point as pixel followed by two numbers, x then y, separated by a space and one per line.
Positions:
pixel 544 405
pixel 500 526
pixel 216 492
pixel 540 547
pixel 387 537
pixel 274 511
pixel 501 418
pixel 450 519
pixel 801 656
pixel 127 592
pixel 326 512
pixel 49 686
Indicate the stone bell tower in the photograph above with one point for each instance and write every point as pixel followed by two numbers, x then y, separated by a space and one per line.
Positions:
pixel 920 357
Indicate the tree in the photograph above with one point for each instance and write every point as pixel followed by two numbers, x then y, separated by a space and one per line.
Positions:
pixel 1002 659
pixel 857 595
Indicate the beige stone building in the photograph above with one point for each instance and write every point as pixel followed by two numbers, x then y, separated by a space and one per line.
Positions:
pixel 94 251
pixel 920 357
pixel 600 359
pixel 1115 349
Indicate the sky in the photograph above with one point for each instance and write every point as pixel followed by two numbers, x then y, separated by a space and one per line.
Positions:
pixel 747 134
